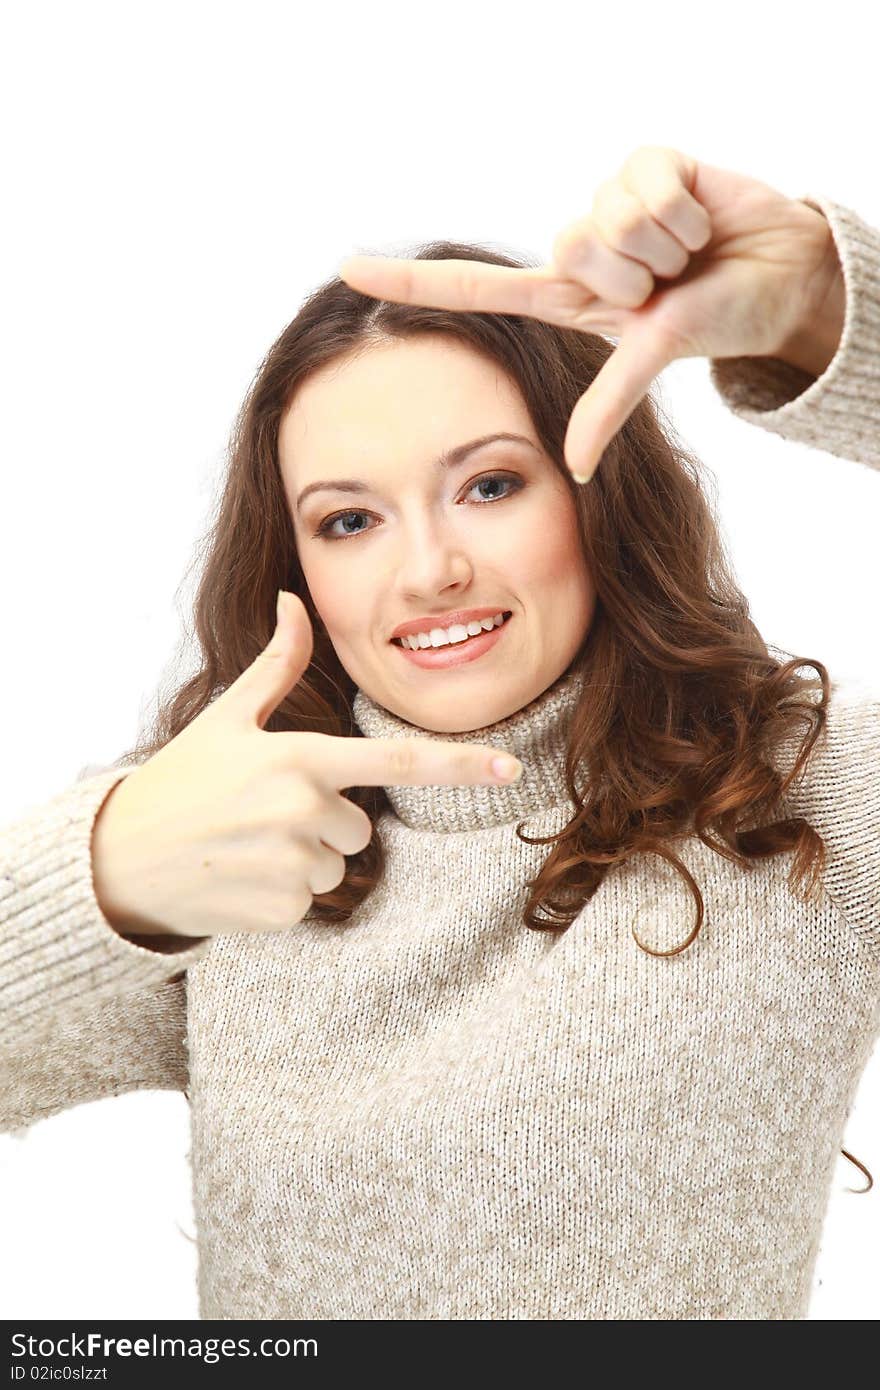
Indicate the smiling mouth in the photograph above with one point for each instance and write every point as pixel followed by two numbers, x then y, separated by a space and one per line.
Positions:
pixel 462 642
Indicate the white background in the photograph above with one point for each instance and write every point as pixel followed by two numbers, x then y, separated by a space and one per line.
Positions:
pixel 177 177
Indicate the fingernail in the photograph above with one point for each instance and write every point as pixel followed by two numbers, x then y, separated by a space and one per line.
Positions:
pixel 578 479
pixel 506 769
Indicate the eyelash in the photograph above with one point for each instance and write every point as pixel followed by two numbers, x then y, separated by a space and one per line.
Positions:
pixel 516 484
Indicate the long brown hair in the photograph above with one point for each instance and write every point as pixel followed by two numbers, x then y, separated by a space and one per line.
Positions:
pixel 683 701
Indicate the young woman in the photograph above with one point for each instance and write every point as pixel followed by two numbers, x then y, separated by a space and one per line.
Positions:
pixel 580 1044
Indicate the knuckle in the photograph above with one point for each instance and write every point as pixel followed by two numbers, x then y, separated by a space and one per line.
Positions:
pixel 573 246
pixel 286 910
pixel 470 283
pixel 291 905
pixel 619 214
pixel 299 905
pixel 573 231
pixel 327 869
pixel 359 830
pixel 667 203
pixel 336 870
pixel 297 861
pixel 637 293
pixel 646 154
pixel 627 218
pixel 400 760
pixel 605 190
pixel 625 232
pixel 364 831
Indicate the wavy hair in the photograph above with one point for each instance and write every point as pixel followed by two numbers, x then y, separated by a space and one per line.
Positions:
pixel 683 703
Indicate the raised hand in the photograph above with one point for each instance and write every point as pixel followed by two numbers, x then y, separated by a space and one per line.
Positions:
pixel 676 259
pixel 232 829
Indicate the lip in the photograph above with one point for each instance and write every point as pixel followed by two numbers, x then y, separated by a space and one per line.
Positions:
pixel 459 615
pixel 455 653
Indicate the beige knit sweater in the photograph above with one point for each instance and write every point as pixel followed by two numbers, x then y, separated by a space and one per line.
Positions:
pixel 435 1113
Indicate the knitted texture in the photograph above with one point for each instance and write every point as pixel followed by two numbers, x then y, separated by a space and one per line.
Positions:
pixel 432 1112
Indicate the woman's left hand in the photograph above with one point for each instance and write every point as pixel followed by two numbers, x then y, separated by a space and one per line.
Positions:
pixel 676 259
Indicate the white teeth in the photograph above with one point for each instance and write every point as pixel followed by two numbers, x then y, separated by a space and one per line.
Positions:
pixel 458 632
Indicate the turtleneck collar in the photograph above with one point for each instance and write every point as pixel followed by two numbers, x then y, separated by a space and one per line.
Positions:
pixel 537 734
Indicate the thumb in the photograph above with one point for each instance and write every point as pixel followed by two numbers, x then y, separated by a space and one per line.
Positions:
pixel 275 671
pixel 612 396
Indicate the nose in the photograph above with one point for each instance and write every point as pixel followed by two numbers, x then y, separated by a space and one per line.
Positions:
pixel 432 558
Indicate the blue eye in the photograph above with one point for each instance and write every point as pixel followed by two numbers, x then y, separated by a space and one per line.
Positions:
pixel 512 482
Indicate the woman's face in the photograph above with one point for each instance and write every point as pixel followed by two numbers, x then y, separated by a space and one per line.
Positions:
pixel 405 538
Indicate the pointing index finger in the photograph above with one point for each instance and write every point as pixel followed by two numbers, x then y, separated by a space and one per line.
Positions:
pixel 449 284
pixel 390 762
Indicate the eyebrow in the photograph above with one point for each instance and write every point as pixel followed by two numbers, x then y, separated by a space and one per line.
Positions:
pixel 449 459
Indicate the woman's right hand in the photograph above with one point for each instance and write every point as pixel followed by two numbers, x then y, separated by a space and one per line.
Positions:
pixel 232 829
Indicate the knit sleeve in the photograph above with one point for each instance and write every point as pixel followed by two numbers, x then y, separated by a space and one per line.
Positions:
pixel 838 412
pixel 84 1012
pixel 838 792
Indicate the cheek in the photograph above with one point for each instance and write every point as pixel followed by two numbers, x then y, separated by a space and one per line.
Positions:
pixel 566 560
pixel 544 548
pixel 330 596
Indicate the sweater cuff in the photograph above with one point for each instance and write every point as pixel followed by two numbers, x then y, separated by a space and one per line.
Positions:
pixel 58 951
pixel 838 412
